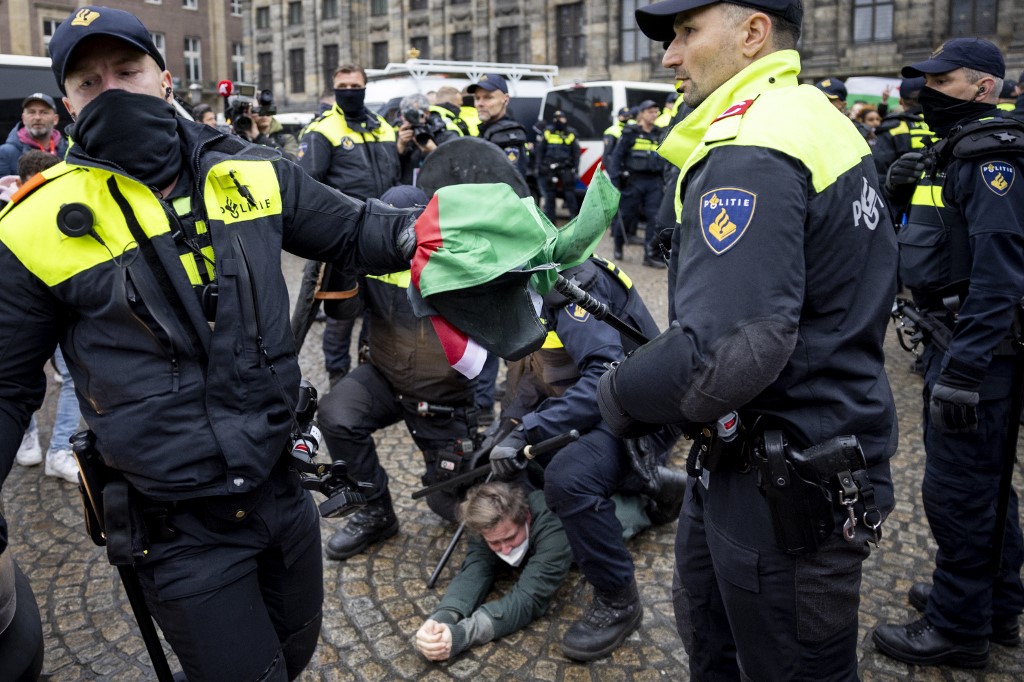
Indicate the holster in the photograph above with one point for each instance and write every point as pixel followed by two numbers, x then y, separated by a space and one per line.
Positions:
pixel 798 486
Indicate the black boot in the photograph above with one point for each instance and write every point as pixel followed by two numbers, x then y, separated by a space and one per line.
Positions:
pixel 1005 628
pixel 920 643
pixel 667 500
pixel 373 523
pixel 607 621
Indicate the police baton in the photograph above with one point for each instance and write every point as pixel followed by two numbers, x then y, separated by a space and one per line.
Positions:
pixel 529 452
pixel 599 310
pixel 1010 445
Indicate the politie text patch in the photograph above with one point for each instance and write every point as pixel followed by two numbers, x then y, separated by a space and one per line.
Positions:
pixel 998 176
pixel 725 214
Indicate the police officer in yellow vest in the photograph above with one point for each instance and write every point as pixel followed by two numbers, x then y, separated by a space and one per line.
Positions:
pixel 447 100
pixel 636 168
pixel 613 132
pixel 354 150
pixel 558 158
pixel 153 257
pixel 782 277
pixel 904 131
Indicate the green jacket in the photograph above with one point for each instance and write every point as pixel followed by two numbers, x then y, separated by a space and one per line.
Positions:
pixel 540 575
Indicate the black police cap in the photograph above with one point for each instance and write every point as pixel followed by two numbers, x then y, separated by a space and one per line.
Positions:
pixel 655 21
pixel 86 22
pixel 970 53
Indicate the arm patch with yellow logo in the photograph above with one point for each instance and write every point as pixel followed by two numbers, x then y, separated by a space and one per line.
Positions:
pixel 725 215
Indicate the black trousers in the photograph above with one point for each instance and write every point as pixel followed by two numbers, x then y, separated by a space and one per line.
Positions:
pixel 240 599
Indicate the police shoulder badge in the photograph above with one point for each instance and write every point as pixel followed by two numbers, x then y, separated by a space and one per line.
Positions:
pixel 725 214
pixel 577 313
pixel 347 143
pixel 998 176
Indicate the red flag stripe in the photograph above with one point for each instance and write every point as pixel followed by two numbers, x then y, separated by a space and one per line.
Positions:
pixel 428 238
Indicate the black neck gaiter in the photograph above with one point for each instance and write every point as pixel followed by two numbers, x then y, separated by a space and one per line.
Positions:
pixel 137 132
pixel 942 113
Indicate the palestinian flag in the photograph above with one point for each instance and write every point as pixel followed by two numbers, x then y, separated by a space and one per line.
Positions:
pixel 485 257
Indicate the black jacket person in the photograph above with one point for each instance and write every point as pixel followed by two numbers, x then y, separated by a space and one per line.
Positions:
pixel 190 396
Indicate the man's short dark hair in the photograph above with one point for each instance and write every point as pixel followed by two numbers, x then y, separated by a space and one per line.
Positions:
pixel 350 68
pixel 33 162
pixel 786 33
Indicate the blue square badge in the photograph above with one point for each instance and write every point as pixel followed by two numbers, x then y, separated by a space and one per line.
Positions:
pixel 725 214
pixel 998 176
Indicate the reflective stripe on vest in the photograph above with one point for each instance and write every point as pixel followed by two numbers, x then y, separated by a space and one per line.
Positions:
pixel 401 279
pixel 552 137
pixel 334 127
pixel 182 207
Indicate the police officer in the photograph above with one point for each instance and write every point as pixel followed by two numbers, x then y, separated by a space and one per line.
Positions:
pixel 613 132
pixel 354 150
pixel 405 376
pixel 636 169
pixel 904 131
pixel 835 90
pixel 491 98
pixel 446 105
pixel 553 390
pixel 782 276
pixel 558 158
pixel 965 267
pixel 152 256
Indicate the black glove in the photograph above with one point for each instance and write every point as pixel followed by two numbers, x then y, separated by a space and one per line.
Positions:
pixel 643 457
pixel 505 459
pixel 907 170
pixel 620 423
pixel 953 407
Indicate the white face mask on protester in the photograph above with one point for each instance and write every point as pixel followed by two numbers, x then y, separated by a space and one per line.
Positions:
pixel 518 553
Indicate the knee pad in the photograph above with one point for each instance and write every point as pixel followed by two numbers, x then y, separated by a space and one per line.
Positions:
pixel 298 647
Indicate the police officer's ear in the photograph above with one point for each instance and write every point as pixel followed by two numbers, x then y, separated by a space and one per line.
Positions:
pixel 757 35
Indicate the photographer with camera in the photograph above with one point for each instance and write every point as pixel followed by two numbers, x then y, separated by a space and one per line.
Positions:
pixel 152 256
pixel 558 157
pixel 255 122
pixel 420 131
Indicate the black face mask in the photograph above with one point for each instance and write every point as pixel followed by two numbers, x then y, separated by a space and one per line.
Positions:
pixel 559 125
pixel 942 113
pixel 350 100
pixel 148 148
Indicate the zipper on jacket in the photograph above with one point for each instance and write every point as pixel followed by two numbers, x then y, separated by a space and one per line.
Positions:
pixel 246 275
pixel 132 294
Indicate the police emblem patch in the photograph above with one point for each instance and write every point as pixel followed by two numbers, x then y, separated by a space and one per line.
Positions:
pixel 725 214
pixel 577 313
pixel 998 176
pixel 347 143
pixel 512 155
pixel 302 149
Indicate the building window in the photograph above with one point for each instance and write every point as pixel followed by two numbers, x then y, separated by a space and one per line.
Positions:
pixel 160 40
pixel 329 9
pixel 49 26
pixel 379 54
pixel 508 44
pixel 569 29
pixel 154 2
pixel 458 2
pixel 297 70
pixel 294 13
pixel 462 46
pixel 378 8
pixel 190 4
pixel 265 68
pixel 236 8
pixel 262 17
pixel 330 63
pixel 422 46
pixel 872 20
pixel 417 4
pixel 635 46
pixel 193 60
pixel 237 62
pixel 972 17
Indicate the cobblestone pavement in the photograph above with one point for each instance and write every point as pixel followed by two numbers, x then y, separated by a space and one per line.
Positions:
pixel 375 602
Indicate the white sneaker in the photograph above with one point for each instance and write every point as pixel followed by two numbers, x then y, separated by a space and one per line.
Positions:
pixel 30 454
pixel 62 464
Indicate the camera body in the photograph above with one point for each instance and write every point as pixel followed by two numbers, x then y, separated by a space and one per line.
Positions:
pixel 344 494
pixel 425 125
pixel 243 103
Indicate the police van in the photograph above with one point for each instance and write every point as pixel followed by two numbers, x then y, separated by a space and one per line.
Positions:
pixel 527 84
pixel 21 76
pixel 590 108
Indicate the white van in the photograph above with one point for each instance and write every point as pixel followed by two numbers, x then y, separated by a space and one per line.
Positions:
pixel 21 76
pixel 527 83
pixel 590 108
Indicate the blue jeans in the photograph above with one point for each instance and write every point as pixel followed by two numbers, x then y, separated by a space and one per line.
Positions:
pixel 68 415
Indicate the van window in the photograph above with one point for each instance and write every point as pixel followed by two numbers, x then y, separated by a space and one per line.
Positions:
pixel 587 109
pixel 636 95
